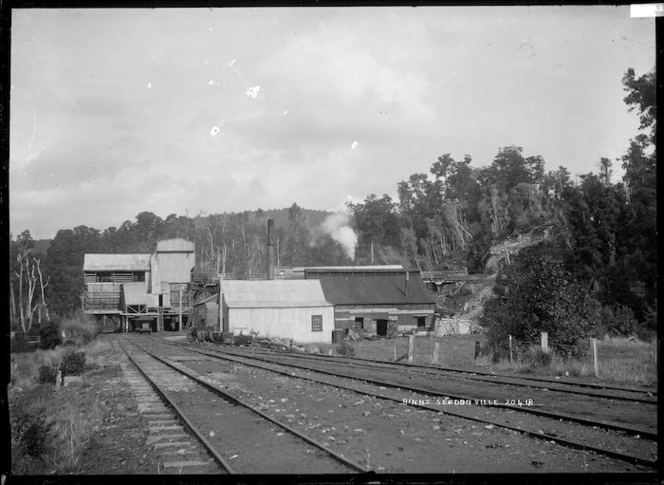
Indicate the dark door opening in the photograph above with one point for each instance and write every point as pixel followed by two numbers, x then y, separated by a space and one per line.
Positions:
pixel 421 322
pixel 359 323
pixel 381 328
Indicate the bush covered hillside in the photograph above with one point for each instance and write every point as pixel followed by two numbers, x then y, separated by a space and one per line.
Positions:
pixel 601 236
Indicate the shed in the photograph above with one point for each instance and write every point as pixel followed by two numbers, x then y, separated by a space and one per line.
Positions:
pixel 385 301
pixel 290 309
pixel 205 313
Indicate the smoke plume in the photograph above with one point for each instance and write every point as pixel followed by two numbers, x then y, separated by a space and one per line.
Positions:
pixel 337 226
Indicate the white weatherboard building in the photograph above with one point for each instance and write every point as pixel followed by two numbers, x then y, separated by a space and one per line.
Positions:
pixel 289 309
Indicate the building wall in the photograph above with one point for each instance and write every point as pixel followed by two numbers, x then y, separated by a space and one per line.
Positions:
pixel 288 323
pixel 175 267
pixel 403 316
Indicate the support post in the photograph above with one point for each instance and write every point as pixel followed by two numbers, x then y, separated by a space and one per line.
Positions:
pixel 544 339
pixel 395 353
pixel 436 349
pixel 593 350
pixel 180 312
pixel 510 350
pixel 411 348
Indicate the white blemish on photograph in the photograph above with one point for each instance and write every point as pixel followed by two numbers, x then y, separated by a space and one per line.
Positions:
pixel 354 145
pixel 214 131
pixel 252 92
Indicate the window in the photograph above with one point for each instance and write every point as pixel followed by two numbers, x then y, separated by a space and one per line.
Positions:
pixel 359 323
pixel 316 323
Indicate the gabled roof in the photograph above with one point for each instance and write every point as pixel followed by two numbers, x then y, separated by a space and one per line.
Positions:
pixel 273 293
pixel 116 262
pixel 135 293
pixel 386 288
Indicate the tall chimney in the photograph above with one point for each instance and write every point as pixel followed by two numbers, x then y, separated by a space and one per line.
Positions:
pixel 270 250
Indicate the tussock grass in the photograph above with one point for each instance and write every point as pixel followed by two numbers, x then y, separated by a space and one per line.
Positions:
pixel 97 354
pixel 70 431
pixel 25 367
pixel 620 360
pixel 84 326
pixel 50 430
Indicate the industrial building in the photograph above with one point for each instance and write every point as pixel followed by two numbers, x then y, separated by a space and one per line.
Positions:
pixel 382 301
pixel 132 289
pixel 277 308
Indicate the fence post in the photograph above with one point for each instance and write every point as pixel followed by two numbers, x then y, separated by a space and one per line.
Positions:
pixel 510 350
pixel 544 339
pixel 436 349
pixel 593 349
pixel 411 348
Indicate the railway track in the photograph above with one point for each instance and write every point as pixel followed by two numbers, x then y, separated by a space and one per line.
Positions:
pixel 581 409
pixel 239 437
pixel 618 442
pixel 622 393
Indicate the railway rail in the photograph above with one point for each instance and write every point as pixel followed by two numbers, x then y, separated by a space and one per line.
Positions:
pixel 623 393
pixel 241 426
pixel 431 389
pixel 420 400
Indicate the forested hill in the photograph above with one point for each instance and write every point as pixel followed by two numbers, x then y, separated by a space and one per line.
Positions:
pixel 602 231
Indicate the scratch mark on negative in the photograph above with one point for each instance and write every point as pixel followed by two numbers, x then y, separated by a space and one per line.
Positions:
pixel 34 120
pixel 532 50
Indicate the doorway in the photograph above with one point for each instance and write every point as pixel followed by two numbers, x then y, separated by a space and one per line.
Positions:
pixel 381 328
pixel 421 322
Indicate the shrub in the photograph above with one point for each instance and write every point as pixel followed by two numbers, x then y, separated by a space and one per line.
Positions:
pixel 47 374
pixel 49 335
pixel 84 327
pixel 537 294
pixel 73 364
pixel 20 344
pixel 346 350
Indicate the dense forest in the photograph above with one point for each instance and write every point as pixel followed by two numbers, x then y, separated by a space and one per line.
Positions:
pixel 602 249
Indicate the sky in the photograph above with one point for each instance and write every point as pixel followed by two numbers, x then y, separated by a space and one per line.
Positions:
pixel 118 111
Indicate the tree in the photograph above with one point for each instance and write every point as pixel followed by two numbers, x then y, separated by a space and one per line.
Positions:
pixel 377 222
pixel 642 95
pixel 538 294
pixel 25 278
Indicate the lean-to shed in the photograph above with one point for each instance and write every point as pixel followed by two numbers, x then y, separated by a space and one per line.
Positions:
pixel 289 309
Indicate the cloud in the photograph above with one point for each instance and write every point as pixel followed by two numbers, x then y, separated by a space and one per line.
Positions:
pixel 70 163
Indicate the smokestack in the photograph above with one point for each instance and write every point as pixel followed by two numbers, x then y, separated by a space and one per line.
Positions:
pixel 270 250
pixel 406 283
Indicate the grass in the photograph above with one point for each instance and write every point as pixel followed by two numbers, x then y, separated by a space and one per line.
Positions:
pixel 621 361
pixel 25 366
pixel 51 429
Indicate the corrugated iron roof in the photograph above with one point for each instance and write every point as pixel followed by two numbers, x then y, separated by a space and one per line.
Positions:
pixel 374 289
pixel 116 262
pixel 135 293
pixel 273 293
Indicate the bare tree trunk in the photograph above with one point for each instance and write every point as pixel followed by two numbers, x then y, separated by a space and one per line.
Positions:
pixel 32 285
pixel 43 300
pixel 13 301
pixel 20 293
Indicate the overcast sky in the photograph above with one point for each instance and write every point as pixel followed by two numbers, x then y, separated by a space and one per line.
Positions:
pixel 114 112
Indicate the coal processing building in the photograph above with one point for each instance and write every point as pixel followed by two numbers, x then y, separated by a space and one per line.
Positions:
pixel 124 291
pixel 303 304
